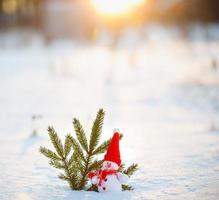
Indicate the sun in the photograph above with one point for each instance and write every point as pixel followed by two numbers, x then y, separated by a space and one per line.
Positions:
pixel 115 7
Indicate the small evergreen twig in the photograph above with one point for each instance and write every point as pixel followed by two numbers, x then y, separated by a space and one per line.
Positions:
pixel 131 169
pixel 126 187
pixel 129 172
pixel 76 156
pixel 59 159
pixel 81 136
pixel 80 162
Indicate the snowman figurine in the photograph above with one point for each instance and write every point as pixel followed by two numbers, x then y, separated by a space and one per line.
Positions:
pixel 108 179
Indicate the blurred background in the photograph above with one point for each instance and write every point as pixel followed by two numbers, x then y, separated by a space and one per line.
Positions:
pixel 88 19
pixel 153 65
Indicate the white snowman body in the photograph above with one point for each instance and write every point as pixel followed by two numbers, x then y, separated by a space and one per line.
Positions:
pixel 112 182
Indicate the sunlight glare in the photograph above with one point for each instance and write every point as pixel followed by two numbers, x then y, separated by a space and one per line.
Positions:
pixel 115 7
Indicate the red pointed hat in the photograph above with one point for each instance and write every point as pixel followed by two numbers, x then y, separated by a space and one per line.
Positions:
pixel 113 153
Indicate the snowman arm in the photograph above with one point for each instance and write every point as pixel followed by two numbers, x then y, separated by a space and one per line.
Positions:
pixel 123 178
pixel 94 180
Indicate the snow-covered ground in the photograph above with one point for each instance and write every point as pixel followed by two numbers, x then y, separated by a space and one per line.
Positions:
pixel 160 89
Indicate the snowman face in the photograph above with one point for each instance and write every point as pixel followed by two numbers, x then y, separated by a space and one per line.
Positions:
pixel 110 165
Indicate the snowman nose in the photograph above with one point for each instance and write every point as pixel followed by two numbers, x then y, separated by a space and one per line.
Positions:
pixel 108 165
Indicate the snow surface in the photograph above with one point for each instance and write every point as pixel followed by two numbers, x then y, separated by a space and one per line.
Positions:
pixel 159 88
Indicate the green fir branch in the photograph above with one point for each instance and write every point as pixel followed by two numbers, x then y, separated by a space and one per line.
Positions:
pixel 49 154
pixel 76 166
pixel 131 169
pixel 102 148
pixel 122 168
pixel 80 134
pixel 121 136
pixel 93 188
pixel 72 159
pixel 56 141
pixel 63 177
pixel 97 164
pixel 94 139
pixel 67 146
pixel 60 162
pixel 127 187
pixel 56 164
pixel 96 130
pixel 77 149
pixel 129 172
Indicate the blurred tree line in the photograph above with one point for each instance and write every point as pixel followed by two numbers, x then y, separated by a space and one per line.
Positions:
pixel 20 12
pixel 192 11
pixel 31 13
